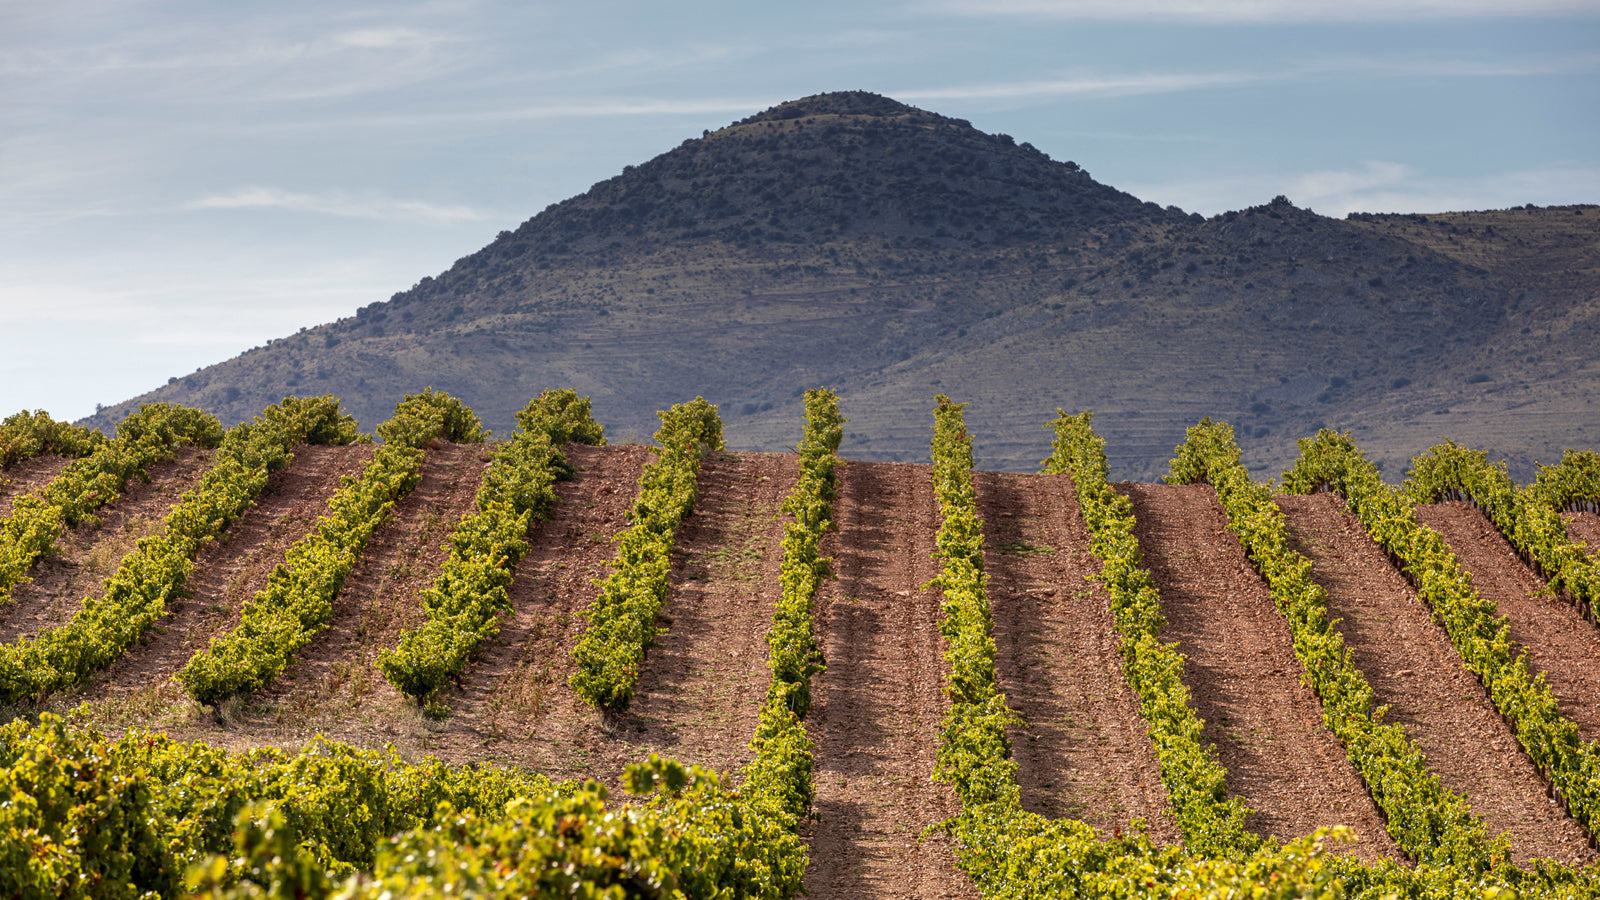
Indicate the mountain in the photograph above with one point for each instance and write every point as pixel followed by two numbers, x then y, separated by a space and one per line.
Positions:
pixel 892 253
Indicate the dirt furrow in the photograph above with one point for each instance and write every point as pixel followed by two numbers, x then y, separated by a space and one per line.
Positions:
pixel 1560 642
pixel 27 476
pixel 227 572
pixel 333 683
pixel 1415 671
pixel 878 707
pixel 1083 752
pixel 1243 677
pixel 86 555
pixel 699 697
pixel 1585 527
pixel 513 703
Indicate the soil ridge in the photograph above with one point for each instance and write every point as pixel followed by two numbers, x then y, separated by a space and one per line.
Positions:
pixel 1242 674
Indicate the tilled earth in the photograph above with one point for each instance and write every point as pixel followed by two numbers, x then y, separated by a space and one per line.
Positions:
pixel 1242 674
pixel 1562 643
pixel 85 556
pixel 1416 672
pixel 1081 747
pixel 1585 527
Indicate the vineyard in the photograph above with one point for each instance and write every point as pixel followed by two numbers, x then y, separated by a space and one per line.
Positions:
pixel 290 659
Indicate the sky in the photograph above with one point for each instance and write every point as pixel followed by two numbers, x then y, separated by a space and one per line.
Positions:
pixel 182 181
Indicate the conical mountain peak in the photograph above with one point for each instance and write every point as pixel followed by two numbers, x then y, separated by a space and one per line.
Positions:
pixel 837 103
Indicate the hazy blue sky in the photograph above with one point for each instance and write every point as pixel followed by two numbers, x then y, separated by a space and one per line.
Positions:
pixel 180 181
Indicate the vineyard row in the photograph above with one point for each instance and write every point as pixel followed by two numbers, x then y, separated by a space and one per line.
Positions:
pixel 93 817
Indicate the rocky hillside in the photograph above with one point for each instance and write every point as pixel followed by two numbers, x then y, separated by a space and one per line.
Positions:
pixel 893 253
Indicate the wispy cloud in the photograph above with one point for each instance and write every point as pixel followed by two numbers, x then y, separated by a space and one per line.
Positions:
pixel 394 38
pixel 226 62
pixel 1412 67
pixel 339 203
pixel 1091 85
pixel 1264 11
pixel 596 108
pixel 1415 191
pixel 1380 186
pixel 1110 85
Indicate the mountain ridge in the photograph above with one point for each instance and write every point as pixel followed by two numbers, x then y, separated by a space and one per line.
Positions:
pixel 894 253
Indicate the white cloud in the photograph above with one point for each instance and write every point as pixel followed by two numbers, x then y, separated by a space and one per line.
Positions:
pixel 1099 84
pixel 339 203
pixel 1380 186
pixel 1265 11
pixel 1543 187
pixel 1315 188
pixel 1410 67
pixel 393 38
pixel 597 108
pixel 1085 86
pixel 227 60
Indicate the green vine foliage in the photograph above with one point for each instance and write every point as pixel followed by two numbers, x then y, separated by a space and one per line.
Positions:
pixel 1331 461
pixel 148 816
pixel 1008 851
pixel 136 595
pixel 777 785
pixel 1573 484
pixel 622 619
pixel 25 434
pixel 974 755
pixel 794 654
pixel 431 415
pixel 1430 823
pixel 143 815
pixel 564 416
pixel 1529 518
pixel 1541 533
pixel 1012 854
pixel 1212 822
pixel 151 435
pixel 692 837
pixel 297 602
pixel 465 604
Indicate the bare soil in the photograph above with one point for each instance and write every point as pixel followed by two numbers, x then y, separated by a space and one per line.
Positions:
pixel 877 710
pixel 1416 672
pixel 228 572
pixel 879 705
pixel 513 703
pixel 1243 677
pixel 88 554
pixel 1083 751
pixel 1561 643
pixel 700 692
pixel 334 683
pixel 28 476
pixel 1585 527
pixel 699 697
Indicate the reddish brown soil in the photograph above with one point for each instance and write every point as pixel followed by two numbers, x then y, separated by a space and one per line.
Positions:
pixel 878 708
pixel 88 554
pixel 1243 677
pixel 27 476
pixel 513 703
pixel 1585 527
pixel 700 692
pixel 699 697
pixel 229 571
pixel 1416 672
pixel 1083 752
pixel 1560 642
pixel 334 682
